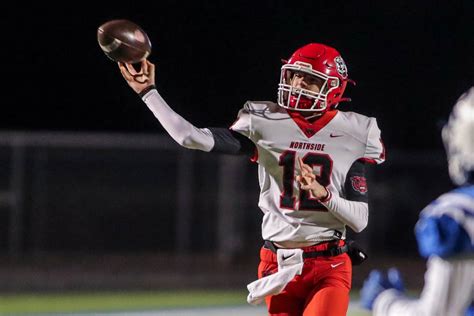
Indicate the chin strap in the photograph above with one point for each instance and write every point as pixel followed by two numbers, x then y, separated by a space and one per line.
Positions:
pixel 313 116
pixel 351 81
pixel 345 100
pixel 334 106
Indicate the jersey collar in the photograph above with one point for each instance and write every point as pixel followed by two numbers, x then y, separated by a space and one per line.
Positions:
pixel 311 128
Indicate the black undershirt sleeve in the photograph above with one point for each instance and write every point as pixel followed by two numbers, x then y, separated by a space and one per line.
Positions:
pixel 227 141
pixel 355 186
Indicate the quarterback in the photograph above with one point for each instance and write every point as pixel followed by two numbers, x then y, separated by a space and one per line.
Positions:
pixel 305 268
pixel 445 236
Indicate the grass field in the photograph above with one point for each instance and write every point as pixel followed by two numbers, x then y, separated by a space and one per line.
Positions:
pixel 149 303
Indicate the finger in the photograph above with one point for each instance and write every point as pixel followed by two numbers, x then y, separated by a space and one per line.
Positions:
pixel 300 162
pixel 130 69
pixel 303 171
pixel 308 180
pixel 301 180
pixel 151 70
pixel 307 168
pixel 140 78
pixel 121 66
pixel 125 73
pixel 151 66
pixel 144 66
pixel 126 69
pixel 304 166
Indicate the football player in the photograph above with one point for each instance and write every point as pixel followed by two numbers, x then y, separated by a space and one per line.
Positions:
pixel 445 236
pixel 305 268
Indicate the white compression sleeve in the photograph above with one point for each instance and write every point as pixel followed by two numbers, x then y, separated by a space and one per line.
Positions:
pixel 183 132
pixel 352 213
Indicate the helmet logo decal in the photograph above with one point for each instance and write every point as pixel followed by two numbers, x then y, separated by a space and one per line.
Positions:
pixel 341 66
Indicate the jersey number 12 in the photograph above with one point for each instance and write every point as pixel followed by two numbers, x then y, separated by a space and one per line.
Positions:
pixel 306 203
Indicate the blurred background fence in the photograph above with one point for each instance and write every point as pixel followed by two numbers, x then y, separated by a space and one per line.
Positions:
pixel 115 211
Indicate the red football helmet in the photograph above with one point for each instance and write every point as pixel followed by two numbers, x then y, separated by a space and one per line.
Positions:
pixel 322 62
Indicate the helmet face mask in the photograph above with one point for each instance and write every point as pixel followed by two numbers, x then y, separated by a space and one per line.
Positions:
pixel 301 99
pixel 324 65
pixel 458 140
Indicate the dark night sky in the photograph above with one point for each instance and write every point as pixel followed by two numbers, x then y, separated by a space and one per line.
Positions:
pixel 410 59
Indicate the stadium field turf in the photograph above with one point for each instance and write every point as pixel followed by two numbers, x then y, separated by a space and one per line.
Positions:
pixel 116 303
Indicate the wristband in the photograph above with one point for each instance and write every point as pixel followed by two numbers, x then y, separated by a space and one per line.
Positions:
pixel 142 93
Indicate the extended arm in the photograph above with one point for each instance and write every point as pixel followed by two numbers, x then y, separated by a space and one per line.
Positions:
pixel 447 291
pixel 183 132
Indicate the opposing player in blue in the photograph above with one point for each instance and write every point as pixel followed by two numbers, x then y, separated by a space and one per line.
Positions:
pixel 445 236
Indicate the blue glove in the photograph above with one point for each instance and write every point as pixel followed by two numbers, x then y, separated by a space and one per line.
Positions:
pixel 376 283
pixel 470 310
pixel 395 279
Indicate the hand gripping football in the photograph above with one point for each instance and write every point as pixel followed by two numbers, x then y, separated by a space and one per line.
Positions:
pixel 123 41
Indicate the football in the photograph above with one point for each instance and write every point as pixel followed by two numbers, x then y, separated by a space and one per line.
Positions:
pixel 123 41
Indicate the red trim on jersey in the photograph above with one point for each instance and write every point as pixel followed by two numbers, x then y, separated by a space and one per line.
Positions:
pixel 372 160
pixel 254 158
pixel 382 154
pixel 368 160
pixel 311 128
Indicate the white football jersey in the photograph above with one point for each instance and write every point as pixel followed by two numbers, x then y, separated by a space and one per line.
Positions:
pixel 330 145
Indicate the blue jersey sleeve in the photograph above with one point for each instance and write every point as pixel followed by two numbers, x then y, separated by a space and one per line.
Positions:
pixel 441 236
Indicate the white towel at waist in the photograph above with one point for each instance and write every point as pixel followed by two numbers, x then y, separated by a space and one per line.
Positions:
pixel 290 264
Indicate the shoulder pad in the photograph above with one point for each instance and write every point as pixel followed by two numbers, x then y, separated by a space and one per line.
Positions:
pixel 262 106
